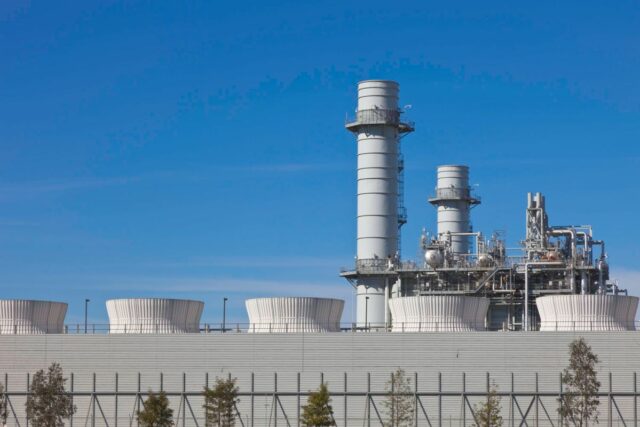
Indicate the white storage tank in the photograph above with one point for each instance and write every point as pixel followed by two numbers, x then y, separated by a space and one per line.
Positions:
pixel 587 312
pixel 294 314
pixel 32 317
pixel 440 313
pixel 154 315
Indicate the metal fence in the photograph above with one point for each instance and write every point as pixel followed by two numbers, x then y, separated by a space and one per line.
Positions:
pixel 361 404
pixel 308 326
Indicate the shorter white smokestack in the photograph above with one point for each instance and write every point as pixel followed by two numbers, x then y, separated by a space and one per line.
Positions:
pixel 453 200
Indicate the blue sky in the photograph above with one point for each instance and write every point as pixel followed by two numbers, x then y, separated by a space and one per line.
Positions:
pixel 198 151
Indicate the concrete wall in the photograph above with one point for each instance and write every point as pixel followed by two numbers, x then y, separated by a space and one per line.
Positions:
pixel 333 354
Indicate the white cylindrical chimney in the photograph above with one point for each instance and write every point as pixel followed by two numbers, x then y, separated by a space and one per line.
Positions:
pixel 377 169
pixel 377 127
pixel 453 200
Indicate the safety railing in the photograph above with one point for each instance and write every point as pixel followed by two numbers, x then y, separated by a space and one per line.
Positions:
pixel 373 265
pixel 375 117
pixel 591 325
pixel 309 326
pixel 455 193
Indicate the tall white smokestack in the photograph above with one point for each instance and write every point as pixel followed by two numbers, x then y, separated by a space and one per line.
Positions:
pixel 453 199
pixel 377 127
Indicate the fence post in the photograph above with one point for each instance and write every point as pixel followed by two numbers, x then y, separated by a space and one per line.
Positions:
pixel 138 397
pixel 560 419
pixel 6 396
pixel 252 396
pixel 345 399
pixel 488 386
pixel 415 399
pixel 93 401
pixel 511 407
pixel 393 401
pixel 368 399
pixel 439 399
pixel 275 399
pixel 115 421
pixel 71 390
pixel 28 389
pixel 537 401
pixel 610 401
pixel 184 399
pixel 298 407
pixel 464 399
pixel 635 401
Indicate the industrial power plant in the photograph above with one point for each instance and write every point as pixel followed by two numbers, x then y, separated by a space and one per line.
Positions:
pixel 467 313
pixel 466 281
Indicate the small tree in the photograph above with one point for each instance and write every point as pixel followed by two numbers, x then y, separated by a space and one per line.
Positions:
pixel 579 402
pixel 3 406
pixel 48 404
pixel 156 411
pixel 318 411
pixel 487 413
pixel 400 400
pixel 220 403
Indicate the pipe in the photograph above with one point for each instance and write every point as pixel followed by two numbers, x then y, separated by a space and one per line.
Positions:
pixel 567 232
pixel 477 235
pixel 386 302
pixel 586 243
pixel 525 321
pixel 587 235
pixel 584 283
pixel 602 288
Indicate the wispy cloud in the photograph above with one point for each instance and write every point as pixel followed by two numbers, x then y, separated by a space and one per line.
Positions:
pixel 288 167
pixel 627 279
pixel 58 185
pixel 17 223
pixel 214 285
pixel 255 261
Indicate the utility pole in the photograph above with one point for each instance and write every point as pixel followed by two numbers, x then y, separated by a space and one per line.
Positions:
pixel 86 310
pixel 366 313
pixel 224 314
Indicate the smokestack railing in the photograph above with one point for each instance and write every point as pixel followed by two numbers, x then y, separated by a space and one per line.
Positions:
pixel 375 117
pixel 378 117
pixel 455 194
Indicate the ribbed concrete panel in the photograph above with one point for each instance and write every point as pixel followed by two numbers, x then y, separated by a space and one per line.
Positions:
pixel 448 313
pixel 500 354
pixel 294 314
pixel 587 312
pixel 154 315
pixel 32 317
